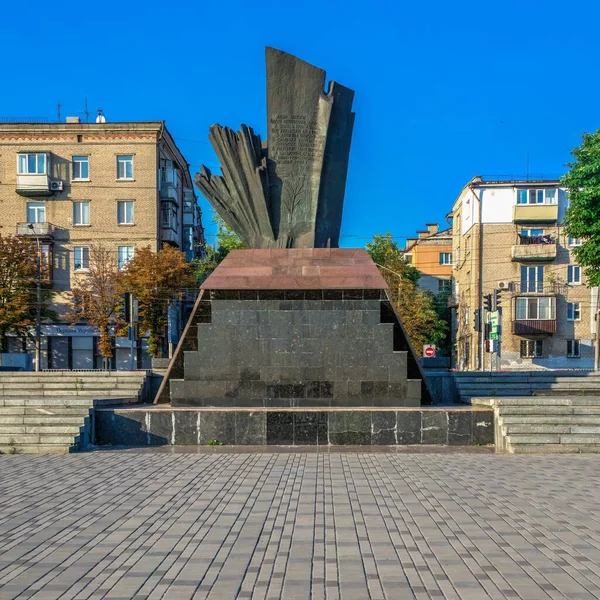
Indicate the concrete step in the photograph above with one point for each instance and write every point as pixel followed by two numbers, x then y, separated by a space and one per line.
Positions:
pixel 549 428
pixel 13 411
pixel 48 402
pixel 42 420
pixel 41 429
pixel 31 439
pixel 589 420
pixel 588 401
pixel 35 449
pixel 554 449
pixel 533 438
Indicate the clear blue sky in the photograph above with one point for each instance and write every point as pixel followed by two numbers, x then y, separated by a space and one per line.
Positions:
pixel 444 90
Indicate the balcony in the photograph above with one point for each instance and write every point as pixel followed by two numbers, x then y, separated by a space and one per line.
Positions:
pixel 535 213
pixel 534 327
pixel 169 236
pixel 168 191
pixel 33 185
pixel 36 230
pixel 535 249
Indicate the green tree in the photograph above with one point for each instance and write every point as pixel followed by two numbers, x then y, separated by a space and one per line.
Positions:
pixel 417 308
pixel 582 221
pixel 583 215
pixel 156 279
pixel 227 240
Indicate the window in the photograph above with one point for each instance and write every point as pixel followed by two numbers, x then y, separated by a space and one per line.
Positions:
pixel 573 311
pixel 81 258
pixel 81 167
pixel 531 349
pixel 125 166
pixel 532 232
pixel 574 241
pixel 125 212
pixel 445 258
pixel 532 279
pixel 81 213
pixel 573 349
pixel 574 274
pixel 536 309
pixel 168 216
pixel 36 212
pixel 31 164
pixel 544 196
pixel 444 285
pixel 125 254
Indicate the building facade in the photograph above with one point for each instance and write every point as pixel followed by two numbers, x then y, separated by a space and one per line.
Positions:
pixel 508 236
pixel 71 186
pixel 431 254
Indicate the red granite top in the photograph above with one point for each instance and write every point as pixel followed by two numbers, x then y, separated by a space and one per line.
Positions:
pixel 296 269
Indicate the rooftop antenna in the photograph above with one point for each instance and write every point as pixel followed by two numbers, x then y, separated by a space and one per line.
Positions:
pixel 86 112
pixel 58 111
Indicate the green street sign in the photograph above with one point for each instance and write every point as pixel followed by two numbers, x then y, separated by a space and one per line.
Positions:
pixel 494 335
pixel 494 325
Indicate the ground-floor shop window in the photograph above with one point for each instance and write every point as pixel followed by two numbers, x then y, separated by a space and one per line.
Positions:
pixel 573 350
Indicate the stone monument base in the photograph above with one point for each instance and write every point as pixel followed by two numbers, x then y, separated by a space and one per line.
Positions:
pixel 308 328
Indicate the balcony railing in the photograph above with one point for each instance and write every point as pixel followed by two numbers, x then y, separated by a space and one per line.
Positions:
pixel 546 288
pixel 534 326
pixel 41 230
pixel 538 248
pixel 535 213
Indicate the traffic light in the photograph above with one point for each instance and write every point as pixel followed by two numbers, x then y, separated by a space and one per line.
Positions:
pixel 497 303
pixel 487 302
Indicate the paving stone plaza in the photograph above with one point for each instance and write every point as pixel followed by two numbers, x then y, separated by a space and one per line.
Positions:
pixel 350 525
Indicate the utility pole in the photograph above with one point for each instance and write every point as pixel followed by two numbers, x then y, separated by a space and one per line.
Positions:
pixel 38 308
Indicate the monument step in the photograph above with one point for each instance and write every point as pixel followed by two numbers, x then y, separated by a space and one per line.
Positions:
pixel 23 411
pixel 31 439
pixel 43 419
pixel 549 428
pixel 592 420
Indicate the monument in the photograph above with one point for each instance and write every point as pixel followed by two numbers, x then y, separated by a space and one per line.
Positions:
pixel 288 191
pixel 294 340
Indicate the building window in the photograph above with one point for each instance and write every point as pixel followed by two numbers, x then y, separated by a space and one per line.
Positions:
pixel 36 212
pixel 125 254
pixel 125 166
pixel 574 274
pixel 544 196
pixel 573 311
pixel 81 213
pixel 535 309
pixel 81 166
pixel 125 212
pixel 81 258
pixel 531 349
pixel 574 241
pixel 532 279
pixel 168 216
pixel 445 258
pixel 444 285
pixel 31 164
pixel 573 350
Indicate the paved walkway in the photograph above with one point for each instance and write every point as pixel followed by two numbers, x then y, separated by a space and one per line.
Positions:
pixel 286 526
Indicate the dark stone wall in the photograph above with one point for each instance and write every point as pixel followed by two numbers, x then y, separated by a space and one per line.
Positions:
pixel 296 348
pixel 138 427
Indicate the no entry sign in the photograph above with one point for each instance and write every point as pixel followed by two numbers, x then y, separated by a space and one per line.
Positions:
pixel 428 351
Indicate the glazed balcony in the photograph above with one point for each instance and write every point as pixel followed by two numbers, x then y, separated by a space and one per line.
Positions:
pixel 535 213
pixel 168 191
pixel 33 185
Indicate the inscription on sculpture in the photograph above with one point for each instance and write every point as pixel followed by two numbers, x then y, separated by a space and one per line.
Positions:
pixel 287 193
pixel 296 139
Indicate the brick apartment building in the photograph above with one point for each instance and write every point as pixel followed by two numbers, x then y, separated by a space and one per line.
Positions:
pixel 507 235
pixel 72 185
pixel 431 254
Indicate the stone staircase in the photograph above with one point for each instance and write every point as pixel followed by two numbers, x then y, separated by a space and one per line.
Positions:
pixel 49 412
pixel 470 384
pixel 569 424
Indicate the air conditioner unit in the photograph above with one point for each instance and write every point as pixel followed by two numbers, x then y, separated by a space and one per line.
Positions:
pixel 56 185
pixel 505 285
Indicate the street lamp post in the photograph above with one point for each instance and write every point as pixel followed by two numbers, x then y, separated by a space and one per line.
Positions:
pixel 38 310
